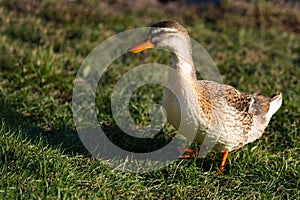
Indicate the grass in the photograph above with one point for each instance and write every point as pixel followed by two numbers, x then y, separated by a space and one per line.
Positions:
pixel 42 44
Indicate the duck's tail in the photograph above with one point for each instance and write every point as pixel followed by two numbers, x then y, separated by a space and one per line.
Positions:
pixel 275 103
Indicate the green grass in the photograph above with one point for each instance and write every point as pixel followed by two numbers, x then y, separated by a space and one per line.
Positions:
pixel 256 48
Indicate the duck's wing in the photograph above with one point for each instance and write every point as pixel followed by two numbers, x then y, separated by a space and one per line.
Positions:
pixel 226 95
pixel 249 109
pixel 240 101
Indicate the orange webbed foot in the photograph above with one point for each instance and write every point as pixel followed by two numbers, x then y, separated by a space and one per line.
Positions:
pixel 222 165
pixel 189 154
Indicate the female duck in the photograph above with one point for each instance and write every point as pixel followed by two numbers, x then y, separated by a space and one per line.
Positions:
pixel 219 111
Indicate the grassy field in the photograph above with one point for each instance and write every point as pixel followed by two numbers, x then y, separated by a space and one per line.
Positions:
pixel 256 48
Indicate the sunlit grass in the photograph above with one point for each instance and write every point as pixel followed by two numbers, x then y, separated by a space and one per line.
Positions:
pixel 42 45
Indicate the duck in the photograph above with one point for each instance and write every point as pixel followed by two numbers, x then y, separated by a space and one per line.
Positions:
pixel 221 112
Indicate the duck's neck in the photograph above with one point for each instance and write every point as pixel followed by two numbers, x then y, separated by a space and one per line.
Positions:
pixel 183 63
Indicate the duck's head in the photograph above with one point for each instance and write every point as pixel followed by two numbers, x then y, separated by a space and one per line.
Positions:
pixel 167 35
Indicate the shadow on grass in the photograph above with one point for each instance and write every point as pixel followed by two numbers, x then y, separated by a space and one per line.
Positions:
pixel 68 140
pixel 63 138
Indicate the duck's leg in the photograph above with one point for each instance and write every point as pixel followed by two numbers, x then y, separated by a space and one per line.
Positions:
pixel 224 157
pixel 189 154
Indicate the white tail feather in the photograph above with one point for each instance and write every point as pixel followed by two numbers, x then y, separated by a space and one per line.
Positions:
pixel 275 104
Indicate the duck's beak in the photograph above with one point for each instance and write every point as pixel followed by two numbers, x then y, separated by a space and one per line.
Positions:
pixel 146 44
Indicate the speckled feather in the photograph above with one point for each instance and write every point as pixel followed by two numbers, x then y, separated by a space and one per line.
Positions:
pixel 235 118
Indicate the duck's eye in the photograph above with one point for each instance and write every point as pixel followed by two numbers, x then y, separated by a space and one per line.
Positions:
pixel 155 40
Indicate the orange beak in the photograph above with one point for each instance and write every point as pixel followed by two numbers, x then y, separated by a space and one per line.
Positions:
pixel 146 44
